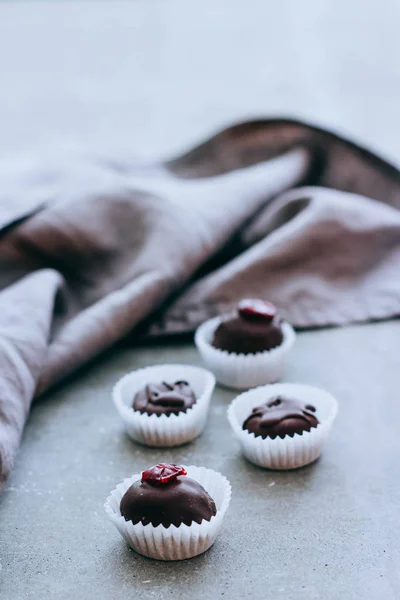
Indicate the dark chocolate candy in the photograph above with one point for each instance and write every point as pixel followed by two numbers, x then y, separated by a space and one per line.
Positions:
pixel 164 398
pixel 279 417
pixel 254 327
pixel 165 495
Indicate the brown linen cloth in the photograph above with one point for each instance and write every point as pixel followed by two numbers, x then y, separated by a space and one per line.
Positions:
pixel 272 208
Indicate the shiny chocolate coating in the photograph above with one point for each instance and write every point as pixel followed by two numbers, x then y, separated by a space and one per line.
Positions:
pixel 164 398
pixel 280 417
pixel 180 500
pixel 254 327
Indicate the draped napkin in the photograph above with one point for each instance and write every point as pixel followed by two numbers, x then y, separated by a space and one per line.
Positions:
pixel 94 250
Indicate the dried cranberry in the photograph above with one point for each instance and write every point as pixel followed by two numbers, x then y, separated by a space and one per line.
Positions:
pixel 162 473
pixel 257 310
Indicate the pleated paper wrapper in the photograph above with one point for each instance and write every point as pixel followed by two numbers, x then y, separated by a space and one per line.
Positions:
pixel 163 431
pixel 173 543
pixel 243 371
pixel 289 452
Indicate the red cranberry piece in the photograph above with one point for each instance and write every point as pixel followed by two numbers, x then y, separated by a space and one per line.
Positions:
pixel 257 310
pixel 162 473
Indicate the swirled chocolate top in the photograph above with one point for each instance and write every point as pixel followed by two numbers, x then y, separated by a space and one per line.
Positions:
pixel 281 416
pixel 163 398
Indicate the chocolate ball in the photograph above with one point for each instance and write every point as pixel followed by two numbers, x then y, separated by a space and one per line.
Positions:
pixel 254 327
pixel 166 496
pixel 280 417
pixel 164 398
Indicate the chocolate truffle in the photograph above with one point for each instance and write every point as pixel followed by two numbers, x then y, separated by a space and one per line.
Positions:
pixel 165 495
pixel 254 327
pixel 279 417
pixel 164 398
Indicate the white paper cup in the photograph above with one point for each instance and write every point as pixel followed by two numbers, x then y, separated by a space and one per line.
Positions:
pixel 173 543
pixel 289 452
pixel 243 371
pixel 162 431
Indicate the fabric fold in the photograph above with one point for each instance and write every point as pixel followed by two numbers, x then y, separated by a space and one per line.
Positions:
pixel 92 248
pixel 324 257
pixel 26 310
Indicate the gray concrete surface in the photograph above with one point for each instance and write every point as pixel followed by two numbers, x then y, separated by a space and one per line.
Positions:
pixel 148 78
pixel 326 532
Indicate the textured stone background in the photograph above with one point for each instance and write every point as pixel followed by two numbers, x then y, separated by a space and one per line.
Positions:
pixel 146 79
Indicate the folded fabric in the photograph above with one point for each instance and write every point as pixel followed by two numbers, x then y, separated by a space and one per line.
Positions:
pixel 273 208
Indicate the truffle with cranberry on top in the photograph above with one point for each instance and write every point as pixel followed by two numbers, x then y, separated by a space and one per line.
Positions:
pixel 254 327
pixel 170 512
pixel 248 346
pixel 166 496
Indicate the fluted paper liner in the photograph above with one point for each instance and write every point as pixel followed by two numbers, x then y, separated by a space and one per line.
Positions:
pixel 173 543
pixel 243 371
pixel 289 452
pixel 163 431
